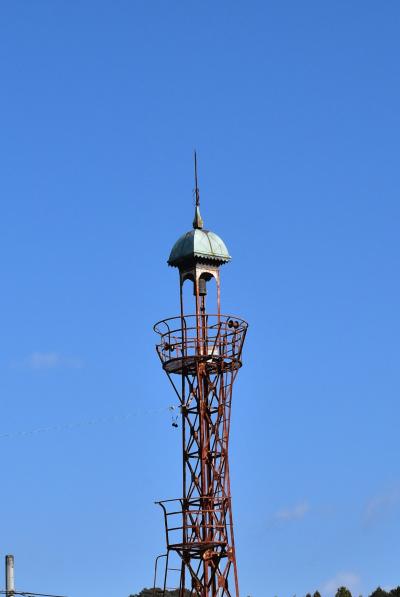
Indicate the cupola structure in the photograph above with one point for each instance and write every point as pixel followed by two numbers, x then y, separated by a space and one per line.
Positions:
pixel 199 253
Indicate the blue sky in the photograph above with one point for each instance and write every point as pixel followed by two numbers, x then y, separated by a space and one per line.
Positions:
pixel 294 110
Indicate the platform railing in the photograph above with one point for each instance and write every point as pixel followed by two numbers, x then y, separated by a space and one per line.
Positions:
pixel 206 336
pixel 195 524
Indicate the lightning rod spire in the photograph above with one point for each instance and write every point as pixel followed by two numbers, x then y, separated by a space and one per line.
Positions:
pixel 198 221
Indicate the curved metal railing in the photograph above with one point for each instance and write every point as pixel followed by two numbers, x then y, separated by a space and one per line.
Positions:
pixel 214 339
pixel 195 524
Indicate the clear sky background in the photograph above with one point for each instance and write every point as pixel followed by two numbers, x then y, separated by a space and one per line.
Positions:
pixel 294 110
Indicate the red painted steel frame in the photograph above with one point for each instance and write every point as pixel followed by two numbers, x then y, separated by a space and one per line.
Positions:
pixel 203 353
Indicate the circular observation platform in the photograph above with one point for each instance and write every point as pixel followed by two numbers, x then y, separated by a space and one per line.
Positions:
pixel 212 340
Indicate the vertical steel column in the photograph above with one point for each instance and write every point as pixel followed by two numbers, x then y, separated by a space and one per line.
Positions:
pixel 10 587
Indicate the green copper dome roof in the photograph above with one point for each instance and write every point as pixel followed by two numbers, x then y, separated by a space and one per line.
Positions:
pixel 199 245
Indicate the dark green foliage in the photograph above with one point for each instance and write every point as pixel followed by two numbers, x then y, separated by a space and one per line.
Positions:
pixel 158 592
pixel 343 592
pixel 379 593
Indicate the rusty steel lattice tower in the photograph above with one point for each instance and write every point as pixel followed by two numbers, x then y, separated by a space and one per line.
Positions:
pixel 201 354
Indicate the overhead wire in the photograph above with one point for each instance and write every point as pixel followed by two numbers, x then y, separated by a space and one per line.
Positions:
pixel 85 423
pixel 28 593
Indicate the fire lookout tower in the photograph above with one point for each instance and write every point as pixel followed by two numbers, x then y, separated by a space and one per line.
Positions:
pixel 201 354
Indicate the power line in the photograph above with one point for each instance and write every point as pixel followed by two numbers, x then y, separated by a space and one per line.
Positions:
pixel 28 593
pixel 85 423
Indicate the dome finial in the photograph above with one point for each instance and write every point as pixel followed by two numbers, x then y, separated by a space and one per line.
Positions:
pixel 198 221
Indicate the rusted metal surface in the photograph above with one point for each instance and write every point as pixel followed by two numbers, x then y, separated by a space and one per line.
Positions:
pixel 216 345
pixel 201 355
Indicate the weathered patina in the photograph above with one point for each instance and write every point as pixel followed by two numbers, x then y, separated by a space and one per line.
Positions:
pixel 199 245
